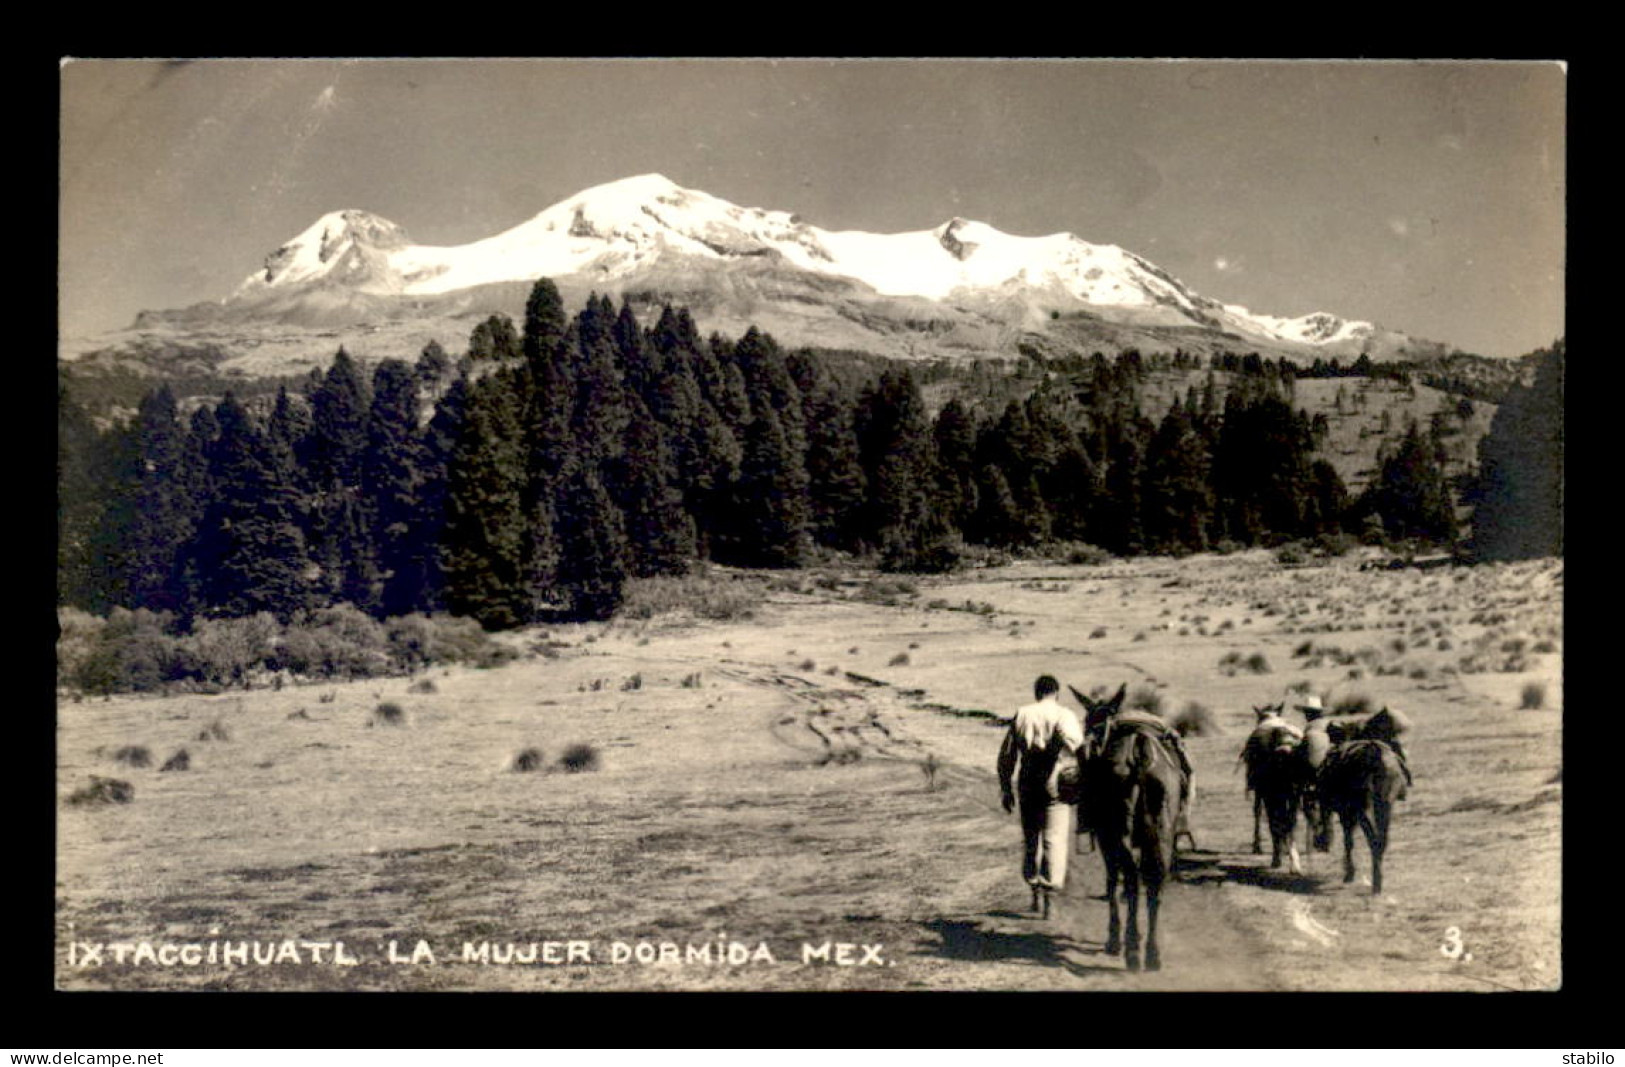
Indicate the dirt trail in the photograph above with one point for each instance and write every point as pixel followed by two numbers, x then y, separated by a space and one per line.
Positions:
pixel 990 940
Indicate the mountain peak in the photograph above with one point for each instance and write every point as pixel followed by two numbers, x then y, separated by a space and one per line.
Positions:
pixel 339 240
pixel 647 227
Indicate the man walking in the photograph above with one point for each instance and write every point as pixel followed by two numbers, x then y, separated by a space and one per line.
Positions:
pixel 1039 734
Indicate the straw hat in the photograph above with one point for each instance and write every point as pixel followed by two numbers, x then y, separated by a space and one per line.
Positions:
pixel 1312 708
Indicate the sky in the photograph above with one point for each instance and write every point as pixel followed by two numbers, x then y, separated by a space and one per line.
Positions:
pixel 1428 197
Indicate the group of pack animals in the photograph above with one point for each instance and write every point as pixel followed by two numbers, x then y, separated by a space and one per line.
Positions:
pixel 1133 785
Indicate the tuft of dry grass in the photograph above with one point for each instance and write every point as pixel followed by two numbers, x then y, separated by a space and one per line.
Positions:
pixel 1534 696
pixel 180 761
pixel 579 758
pixel 528 760
pixel 215 731
pixel 388 714
pixel 425 685
pixel 899 660
pixel 1146 700
pixel 133 756
pixel 103 791
pixel 1195 720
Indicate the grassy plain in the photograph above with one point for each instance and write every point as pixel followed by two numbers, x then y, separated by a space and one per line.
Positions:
pixel 820 774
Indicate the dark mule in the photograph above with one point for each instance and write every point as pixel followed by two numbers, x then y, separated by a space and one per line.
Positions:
pixel 1132 791
pixel 1278 777
pixel 1360 781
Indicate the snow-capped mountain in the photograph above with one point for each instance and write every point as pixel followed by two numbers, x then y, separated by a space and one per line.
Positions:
pixel 961 288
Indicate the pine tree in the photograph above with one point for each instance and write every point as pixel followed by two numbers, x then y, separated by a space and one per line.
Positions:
pixel 592 567
pixel 1178 497
pixel 659 533
pixel 338 430
pixel 1411 491
pixel 954 435
pixel 252 555
pixel 545 323
pixel 495 339
pixel 484 543
pixel 1518 495
pixel 392 477
pixel 769 516
pixel 836 484
pixel 202 432
pixel 164 513
pixel 90 467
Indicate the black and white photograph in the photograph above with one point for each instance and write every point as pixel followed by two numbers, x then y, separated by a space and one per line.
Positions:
pixel 800 525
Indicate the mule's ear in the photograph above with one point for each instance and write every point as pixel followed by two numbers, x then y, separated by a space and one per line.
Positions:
pixel 1089 705
pixel 1117 700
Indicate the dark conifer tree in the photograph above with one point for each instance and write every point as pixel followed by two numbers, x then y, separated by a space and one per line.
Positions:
pixel 338 430
pixel 495 339
pixel 899 464
pixel 433 367
pixel 659 532
pixel 1518 495
pixel 769 517
pixel 251 554
pixel 1411 492
pixel 954 435
pixel 545 323
pixel 392 478
pixel 836 485
pixel 88 470
pixel 592 567
pixel 485 541
pixel 1178 496
pixel 203 430
pixel 164 513
pixel 1123 509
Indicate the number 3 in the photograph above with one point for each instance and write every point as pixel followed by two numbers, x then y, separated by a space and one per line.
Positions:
pixel 1452 947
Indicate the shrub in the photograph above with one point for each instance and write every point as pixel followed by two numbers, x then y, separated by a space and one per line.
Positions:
pixel 180 761
pixel 1194 720
pixel 579 758
pixel 702 594
pixel 132 651
pixel 78 633
pixel 225 651
pixel 388 714
pixel 936 555
pixel 423 685
pixel 633 683
pixel 527 761
pixel 133 756
pixel 1257 663
pixel 215 731
pixel 1292 554
pixel 899 660
pixel 1534 696
pixel 103 791
pixel 336 642
pixel 808 665
pixel 1145 699
pixel 1336 543
pixel 1084 555
pixel 1098 632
